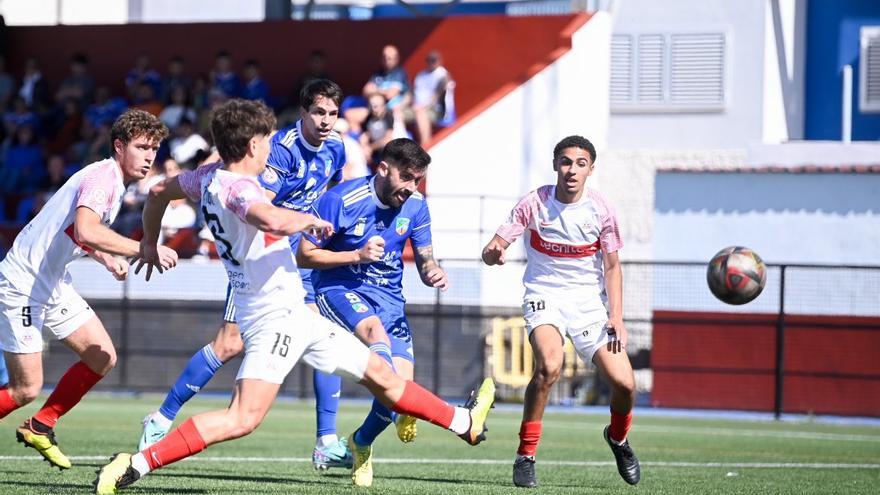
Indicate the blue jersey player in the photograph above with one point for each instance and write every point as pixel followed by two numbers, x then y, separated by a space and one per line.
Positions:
pixel 359 270
pixel 304 160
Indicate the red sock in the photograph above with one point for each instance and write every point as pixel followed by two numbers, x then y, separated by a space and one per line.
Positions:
pixel 418 402
pixel 182 442
pixel 620 424
pixel 78 380
pixel 529 435
pixel 7 403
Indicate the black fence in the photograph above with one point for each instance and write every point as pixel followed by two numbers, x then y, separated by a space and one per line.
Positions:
pixel 809 343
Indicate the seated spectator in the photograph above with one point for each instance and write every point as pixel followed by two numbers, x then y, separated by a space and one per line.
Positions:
pixel 391 81
pixel 146 100
pixel 106 107
pixel 18 115
pixel 378 130
pixel 34 88
pixel 99 147
pixel 79 85
pixel 223 78
pixel 429 96
pixel 186 142
pixel 176 78
pixel 7 85
pixel 255 88
pixel 178 109
pixel 56 176
pixel 139 74
pixel 355 159
pixel 67 128
pixel 316 68
pixel 179 214
pixel 23 163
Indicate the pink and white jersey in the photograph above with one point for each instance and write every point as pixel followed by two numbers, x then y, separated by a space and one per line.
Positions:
pixel 564 244
pixel 37 262
pixel 261 268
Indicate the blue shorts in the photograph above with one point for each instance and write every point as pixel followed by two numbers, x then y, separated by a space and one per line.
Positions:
pixel 348 307
pixel 304 273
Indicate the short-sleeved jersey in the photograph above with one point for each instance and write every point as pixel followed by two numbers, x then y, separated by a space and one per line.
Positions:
pixel 44 248
pixel 357 214
pixel 261 267
pixel 298 172
pixel 565 243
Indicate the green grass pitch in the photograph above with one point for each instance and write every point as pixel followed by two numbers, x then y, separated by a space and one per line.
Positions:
pixel 678 455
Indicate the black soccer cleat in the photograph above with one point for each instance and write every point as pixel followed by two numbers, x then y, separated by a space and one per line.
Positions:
pixel 627 462
pixel 524 472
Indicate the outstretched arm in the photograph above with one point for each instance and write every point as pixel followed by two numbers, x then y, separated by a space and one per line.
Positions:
pixel 281 221
pixel 493 253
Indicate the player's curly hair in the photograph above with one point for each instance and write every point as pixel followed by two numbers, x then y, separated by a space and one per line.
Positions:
pixel 320 87
pixel 235 122
pixel 575 142
pixel 405 154
pixel 136 123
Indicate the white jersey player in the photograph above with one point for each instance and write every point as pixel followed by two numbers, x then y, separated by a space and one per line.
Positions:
pixel 36 290
pixel 574 289
pixel 277 327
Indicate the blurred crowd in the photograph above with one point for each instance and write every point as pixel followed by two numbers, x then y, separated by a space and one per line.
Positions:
pixel 51 129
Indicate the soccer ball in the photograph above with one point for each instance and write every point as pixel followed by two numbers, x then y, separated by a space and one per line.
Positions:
pixel 736 275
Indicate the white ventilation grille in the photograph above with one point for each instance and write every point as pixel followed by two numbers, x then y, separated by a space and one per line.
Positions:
pixel 869 70
pixel 668 72
pixel 697 69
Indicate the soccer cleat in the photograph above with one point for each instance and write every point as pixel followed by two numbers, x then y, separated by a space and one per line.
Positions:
pixel 407 429
pixel 479 404
pixel 334 455
pixel 152 433
pixel 362 470
pixel 116 475
pixel 627 462
pixel 44 443
pixel 524 472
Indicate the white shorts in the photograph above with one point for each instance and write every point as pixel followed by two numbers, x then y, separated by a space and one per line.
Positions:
pixel 276 343
pixel 23 319
pixel 586 328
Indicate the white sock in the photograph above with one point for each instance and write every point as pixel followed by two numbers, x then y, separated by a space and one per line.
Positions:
pixel 529 457
pixel 325 440
pixel 139 463
pixel 461 420
pixel 161 420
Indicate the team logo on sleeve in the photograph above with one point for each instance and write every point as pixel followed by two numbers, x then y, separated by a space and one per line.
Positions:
pixel 98 197
pixel 401 225
pixel 269 176
pixel 360 308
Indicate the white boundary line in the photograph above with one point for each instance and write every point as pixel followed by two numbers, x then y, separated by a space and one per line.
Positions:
pixel 673 464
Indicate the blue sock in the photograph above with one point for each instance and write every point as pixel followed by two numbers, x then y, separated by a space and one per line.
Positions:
pixel 380 416
pixel 198 372
pixel 327 391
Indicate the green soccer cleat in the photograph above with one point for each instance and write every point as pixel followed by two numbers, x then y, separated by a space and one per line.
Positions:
pixel 44 443
pixel 334 455
pixel 407 429
pixel 116 475
pixel 152 433
pixel 362 470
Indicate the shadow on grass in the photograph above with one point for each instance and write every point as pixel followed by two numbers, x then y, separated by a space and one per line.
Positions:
pixel 238 477
pixel 82 487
